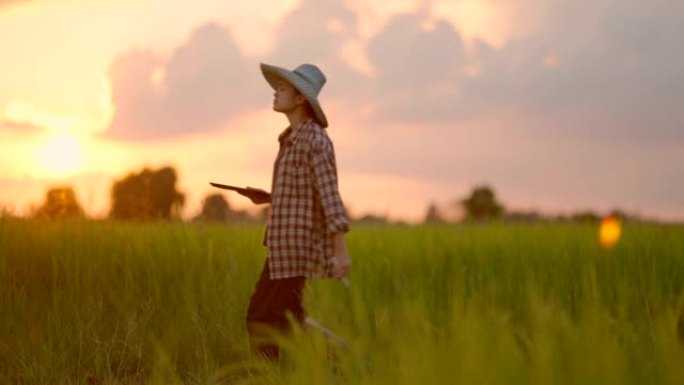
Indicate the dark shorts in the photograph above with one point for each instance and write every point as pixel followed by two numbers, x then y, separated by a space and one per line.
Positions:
pixel 274 298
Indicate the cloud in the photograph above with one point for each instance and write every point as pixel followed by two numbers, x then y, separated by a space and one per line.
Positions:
pixel 418 63
pixel 619 64
pixel 204 84
pixel 208 81
pixel 609 70
pixel 583 108
pixel 8 3
pixel 613 71
pixel 24 127
pixel 314 31
pixel 317 32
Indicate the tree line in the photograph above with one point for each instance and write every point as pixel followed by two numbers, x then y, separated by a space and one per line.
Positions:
pixel 482 205
pixel 152 195
pixel 145 195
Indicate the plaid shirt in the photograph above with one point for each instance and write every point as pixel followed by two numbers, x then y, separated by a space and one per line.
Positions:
pixel 306 208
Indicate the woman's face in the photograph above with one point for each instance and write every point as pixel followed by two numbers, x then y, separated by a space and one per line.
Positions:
pixel 286 98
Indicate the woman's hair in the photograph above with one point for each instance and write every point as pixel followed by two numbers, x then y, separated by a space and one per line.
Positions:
pixel 307 107
pixel 309 110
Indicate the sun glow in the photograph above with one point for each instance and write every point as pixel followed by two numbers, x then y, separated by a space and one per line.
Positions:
pixel 610 230
pixel 61 156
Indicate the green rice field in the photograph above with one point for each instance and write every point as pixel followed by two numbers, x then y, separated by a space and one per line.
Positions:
pixel 91 302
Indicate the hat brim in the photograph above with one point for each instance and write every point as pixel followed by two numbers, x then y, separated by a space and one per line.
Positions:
pixel 274 73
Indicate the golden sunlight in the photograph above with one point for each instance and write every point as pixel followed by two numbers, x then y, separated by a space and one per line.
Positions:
pixel 62 155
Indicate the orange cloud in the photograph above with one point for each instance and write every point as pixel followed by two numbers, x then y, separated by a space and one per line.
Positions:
pixel 18 126
pixel 7 3
pixel 476 19
pixel 199 88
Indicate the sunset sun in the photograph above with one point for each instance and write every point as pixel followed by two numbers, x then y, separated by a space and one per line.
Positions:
pixel 61 155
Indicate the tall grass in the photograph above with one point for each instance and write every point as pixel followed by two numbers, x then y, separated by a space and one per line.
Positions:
pixel 139 303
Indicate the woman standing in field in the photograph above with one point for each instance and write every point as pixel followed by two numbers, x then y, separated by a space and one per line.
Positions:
pixel 307 220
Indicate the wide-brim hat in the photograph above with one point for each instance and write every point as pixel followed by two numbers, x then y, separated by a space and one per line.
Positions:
pixel 306 78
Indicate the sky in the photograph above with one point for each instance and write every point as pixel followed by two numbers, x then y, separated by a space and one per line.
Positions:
pixel 559 106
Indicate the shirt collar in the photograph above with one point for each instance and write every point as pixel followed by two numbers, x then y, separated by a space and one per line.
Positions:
pixel 290 135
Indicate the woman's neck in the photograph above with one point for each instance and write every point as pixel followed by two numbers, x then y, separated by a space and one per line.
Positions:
pixel 297 118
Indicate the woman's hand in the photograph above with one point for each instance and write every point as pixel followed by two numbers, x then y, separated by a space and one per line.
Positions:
pixel 341 265
pixel 256 195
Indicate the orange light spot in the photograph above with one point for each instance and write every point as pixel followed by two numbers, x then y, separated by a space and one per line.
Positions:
pixel 609 233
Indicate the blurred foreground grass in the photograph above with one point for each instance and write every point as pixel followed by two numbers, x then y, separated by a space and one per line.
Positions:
pixel 164 303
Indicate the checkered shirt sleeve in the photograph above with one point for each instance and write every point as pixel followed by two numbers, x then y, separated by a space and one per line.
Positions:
pixel 325 182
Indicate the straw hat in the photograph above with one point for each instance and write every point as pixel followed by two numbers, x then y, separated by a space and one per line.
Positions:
pixel 306 78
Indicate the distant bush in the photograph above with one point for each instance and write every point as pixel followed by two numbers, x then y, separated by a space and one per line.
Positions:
pixel 148 194
pixel 60 203
pixel 215 208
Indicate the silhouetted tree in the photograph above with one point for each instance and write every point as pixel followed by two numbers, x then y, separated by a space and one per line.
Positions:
pixel 434 215
pixel 60 203
pixel 7 212
pixel 215 208
pixel 372 219
pixel 523 216
pixel 147 195
pixel 482 205
pixel 621 215
pixel 586 216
